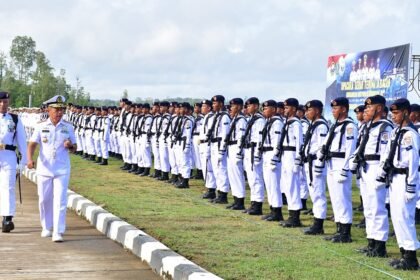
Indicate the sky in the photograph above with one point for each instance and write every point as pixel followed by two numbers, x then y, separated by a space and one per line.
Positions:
pixel 271 49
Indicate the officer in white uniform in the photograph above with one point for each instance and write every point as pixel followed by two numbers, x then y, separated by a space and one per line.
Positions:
pixel 399 167
pixel 104 136
pixel 359 110
pixel 415 119
pixel 291 163
pixel 12 135
pixel 152 133
pixel 232 145
pixel 339 145
pixel 198 122
pixel 270 140
pixel 304 191
pixel 162 136
pixel 314 138
pixel 365 163
pixel 145 148
pixel 56 138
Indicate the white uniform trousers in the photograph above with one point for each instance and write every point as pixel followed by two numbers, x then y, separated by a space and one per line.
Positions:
pixel 172 159
pixel 272 180
pixel 304 191
pixel 84 147
pixel 208 174
pixel 164 155
pixel 219 168
pixel 196 152
pixel 145 152
pixel 317 192
pixel 128 156
pixel 104 149
pixel 155 151
pixel 340 193
pixel 90 144
pixel 290 182
pixel 52 192
pixel 79 142
pixel 98 148
pixel 374 209
pixel 402 215
pixel 235 170
pixel 7 183
pixel 254 174
pixel 183 158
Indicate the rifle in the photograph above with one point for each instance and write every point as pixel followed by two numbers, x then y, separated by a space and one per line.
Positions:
pixel 360 157
pixel 176 133
pixel 247 131
pixel 231 130
pixel 264 135
pixel 283 135
pixel 325 149
pixel 211 130
pixel 307 137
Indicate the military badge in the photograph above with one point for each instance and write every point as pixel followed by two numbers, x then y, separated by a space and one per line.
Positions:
pixel 349 130
pixel 44 140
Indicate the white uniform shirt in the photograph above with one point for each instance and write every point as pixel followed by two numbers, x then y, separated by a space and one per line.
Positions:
pixel 53 159
pixel 7 132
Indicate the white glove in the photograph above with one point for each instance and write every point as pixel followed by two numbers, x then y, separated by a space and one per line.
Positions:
pixel 257 159
pixel 219 158
pixel 296 168
pixel 410 196
pixel 273 166
pixel 342 177
pixel 238 158
pixel 318 168
pixel 197 140
pixel 319 154
pixel 352 165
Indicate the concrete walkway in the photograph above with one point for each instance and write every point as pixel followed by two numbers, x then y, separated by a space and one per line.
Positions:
pixel 85 254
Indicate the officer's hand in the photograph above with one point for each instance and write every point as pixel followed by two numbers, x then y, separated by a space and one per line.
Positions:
pixel 352 165
pixel 319 154
pixel 410 196
pixel 273 165
pixel 219 158
pixel 239 157
pixel 31 164
pixel 257 159
pixel 343 176
pixel 68 144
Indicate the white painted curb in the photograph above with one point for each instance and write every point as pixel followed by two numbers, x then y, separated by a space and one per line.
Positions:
pixel 160 258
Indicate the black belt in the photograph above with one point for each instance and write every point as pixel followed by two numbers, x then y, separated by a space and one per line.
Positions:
pixel 250 145
pixel 310 157
pixel 372 157
pixel 402 171
pixel 266 149
pixel 234 142
pixel 152 133
pixel 337 155
pixel 7 147
pixel 215 140
pixel 289 148
pixel 202 141
pixel 196 133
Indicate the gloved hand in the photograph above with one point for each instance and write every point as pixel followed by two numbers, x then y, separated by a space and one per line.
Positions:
pixel 342 177
pixel 410 196
pixel 319 154
pixel 197 140
pixel 318 168
pixel 352 165
pixel 298 161
pixel 296 168
pixel 220 157
pixel 273 166
pixel 257 159
pixel 239 158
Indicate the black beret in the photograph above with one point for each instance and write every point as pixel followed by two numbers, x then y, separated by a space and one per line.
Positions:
pixel 125 100
pixel 104 108
pixel 91 107
pixel 129 102
pixel 146 105
pixel 291 102
pixel 280 104
pixel 415 108
pixel 301 107
pixel 184 105
pixel 156 103
pixel 164 104
pixel 376 99
pixel 314 104
pixel 252 100
pixel 340 101
pixel 218 98
pixel 359 109
pixel 198 104
pixel 236 101
pixel 173 104
pixel 270 103
pixel 207 102
pixel 401 104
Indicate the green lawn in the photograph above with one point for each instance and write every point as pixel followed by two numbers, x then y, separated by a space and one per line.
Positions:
pixel 228 243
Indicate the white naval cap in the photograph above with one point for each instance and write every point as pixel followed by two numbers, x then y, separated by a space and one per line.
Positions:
pixel 56 102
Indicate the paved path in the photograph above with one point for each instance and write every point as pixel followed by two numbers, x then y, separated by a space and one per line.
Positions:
pixel 85 254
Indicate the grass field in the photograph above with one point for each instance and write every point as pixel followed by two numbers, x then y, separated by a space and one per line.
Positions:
pixel 228 243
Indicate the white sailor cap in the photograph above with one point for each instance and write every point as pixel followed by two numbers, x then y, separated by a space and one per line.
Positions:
pixel 56 102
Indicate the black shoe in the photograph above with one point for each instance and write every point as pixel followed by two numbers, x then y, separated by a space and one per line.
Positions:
pixel 368 248
pixel 126 166
pixel 134 168
pixel 379 251
pixel 210 194
pixel 293 220
pixel 337 233
pixel 265 217
pixel 85 156
pixel 184 184
pixel 304 207
pixel 104 162
pixel 221 198
pixel 345 235
pixel 395 261
pixel 250 207
pixel 157 174
pixel 256 210
pixel 316 228
pixel 146 172
pixel 235 200
pixel 173 179
pixel 362 223
pixel 199 175
pixel 7 224
pixel 407 262
pixel 276 215
pixel 164 177
pixel 98 160
pixel 177 181
pixel 92 157
pixel 240 204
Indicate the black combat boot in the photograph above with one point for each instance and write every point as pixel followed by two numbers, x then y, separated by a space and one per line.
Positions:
pixel 123 166
pixel 85 156
pixel 104 161
pixel 146 172
pixel 139 171
pixel 178 180
pixel 221 198
pixel 199 175
pixel 337 233
pixel 407 262
pixel 240 204
pixel 157 174
pixel 379 251
pixel 293 220
pixel 256 210
pixel 92 157
pixel 98 160
pixel 276 216
pixel 184 184
pixel 134 168
pixel 173 179
pixel 235 200
pixel 345 235
pixel 7 224
pixel 370 246
pixel 316 228
pixel 126 166
pixel 250 207
pixel 210 194
pixel 395 261
pixel 164 177
pixel 265 217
